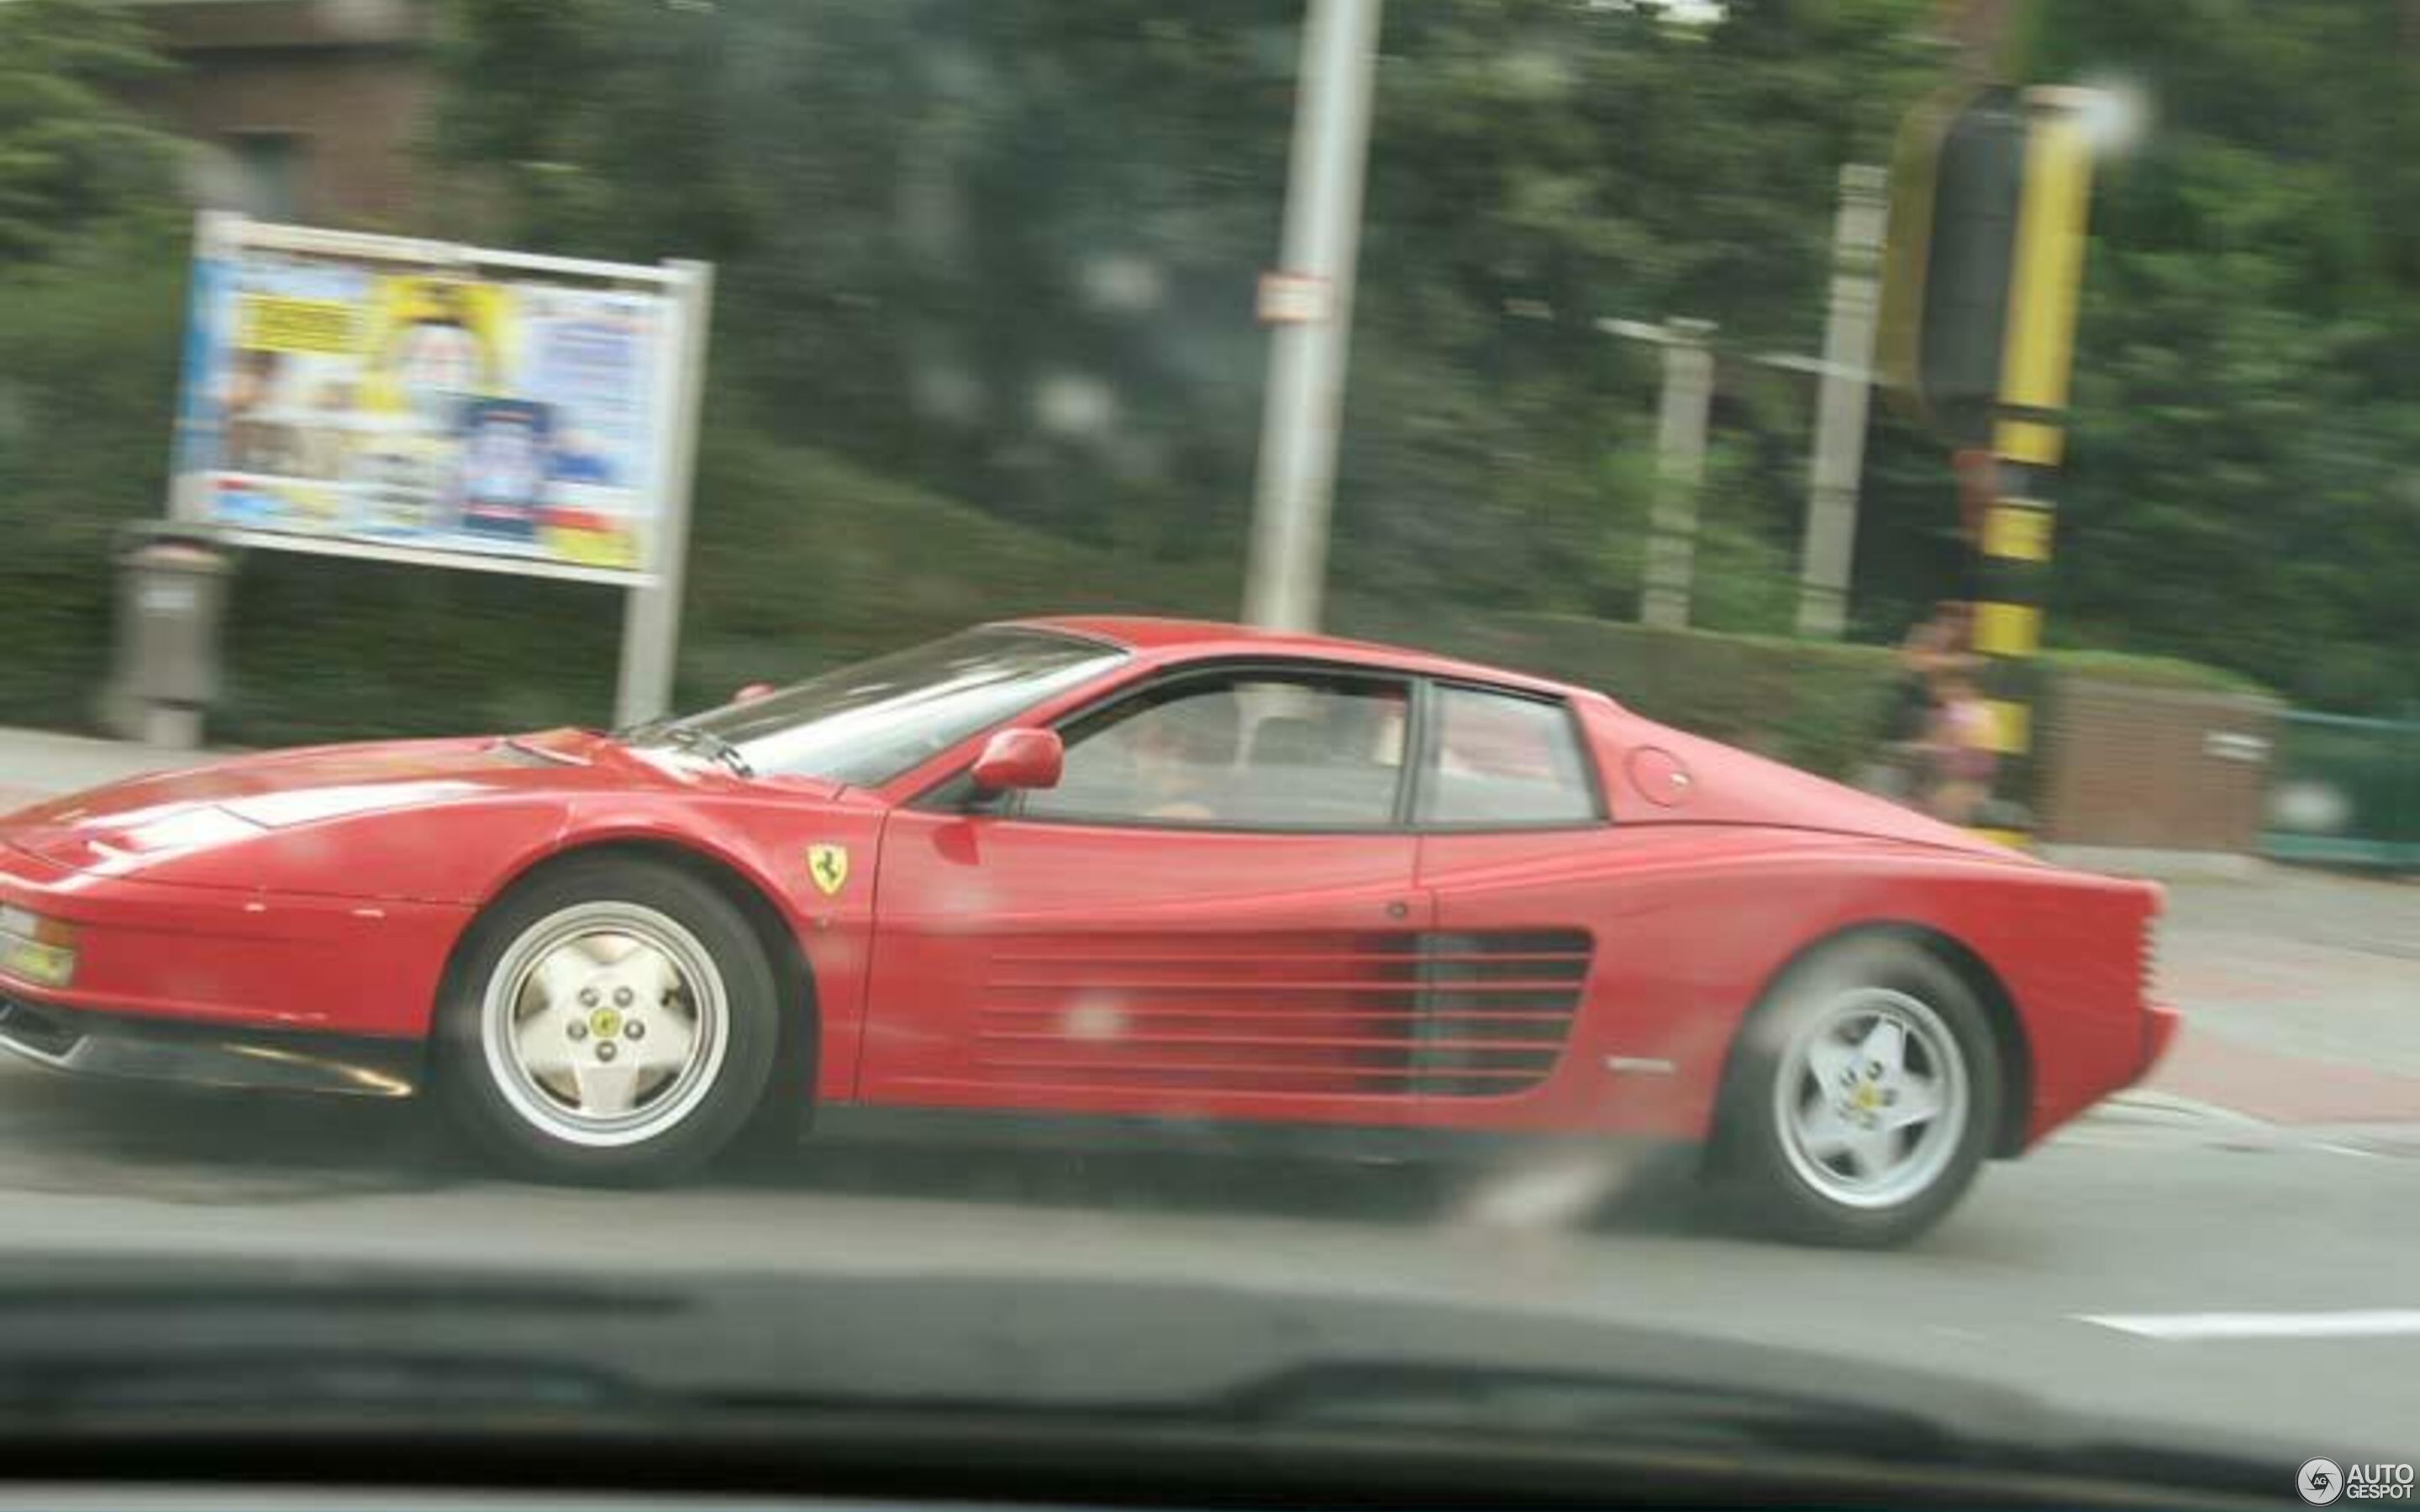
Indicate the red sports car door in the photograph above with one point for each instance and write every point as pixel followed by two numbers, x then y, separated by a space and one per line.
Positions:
pixel 1511 824
pixel 1213 914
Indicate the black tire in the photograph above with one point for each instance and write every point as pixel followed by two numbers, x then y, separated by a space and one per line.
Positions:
pixel 1759 1184
pixel 722 1102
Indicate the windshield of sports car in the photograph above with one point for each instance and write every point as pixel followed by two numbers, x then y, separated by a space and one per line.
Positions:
pixel 872 721
pixel 1519 725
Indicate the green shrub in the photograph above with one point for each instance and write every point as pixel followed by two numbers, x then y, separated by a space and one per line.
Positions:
pixel 87 395
pixel 798 561
pixel 2150 672
pixel 1815 705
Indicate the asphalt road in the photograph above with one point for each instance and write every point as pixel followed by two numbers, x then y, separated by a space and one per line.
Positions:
pixel 2151 1212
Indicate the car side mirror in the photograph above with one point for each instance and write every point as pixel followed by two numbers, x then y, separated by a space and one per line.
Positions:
pixel 754 691
pixel 1016 759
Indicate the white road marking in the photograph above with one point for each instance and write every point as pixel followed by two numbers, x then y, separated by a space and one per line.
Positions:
pixel 2185 1328
pixel 2354 1149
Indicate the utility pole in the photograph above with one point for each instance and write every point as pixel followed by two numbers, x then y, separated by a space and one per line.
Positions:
pixel 1309 301
pixel 1831 535
pixel 1680 471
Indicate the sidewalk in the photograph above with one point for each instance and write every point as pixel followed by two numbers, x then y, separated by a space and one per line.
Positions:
pixel 2301 989
pixel 2302 997
pixel 35 764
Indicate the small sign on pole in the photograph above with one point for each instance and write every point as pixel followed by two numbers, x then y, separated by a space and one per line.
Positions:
pixel 401 400
pixel 1296 300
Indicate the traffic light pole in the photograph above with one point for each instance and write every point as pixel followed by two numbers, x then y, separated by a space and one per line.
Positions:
pixel 2013 541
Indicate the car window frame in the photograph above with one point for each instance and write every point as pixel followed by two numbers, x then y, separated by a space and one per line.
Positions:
pixel 1430 731
pixel 1399 808
pixel 948 794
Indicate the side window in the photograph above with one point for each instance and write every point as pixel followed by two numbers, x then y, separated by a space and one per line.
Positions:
pixel 1255 751
pixel 1499 759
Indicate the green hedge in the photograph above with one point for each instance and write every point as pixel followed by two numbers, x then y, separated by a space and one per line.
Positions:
pixel 802 561
pixel 87 388
pixel 2151 672
pixel 1815 705
pixel 799 562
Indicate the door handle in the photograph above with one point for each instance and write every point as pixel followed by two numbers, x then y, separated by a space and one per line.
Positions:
pixel 1399 909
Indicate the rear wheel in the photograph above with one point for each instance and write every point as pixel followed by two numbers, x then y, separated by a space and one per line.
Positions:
pixel 1861 1099
pixel 610 1021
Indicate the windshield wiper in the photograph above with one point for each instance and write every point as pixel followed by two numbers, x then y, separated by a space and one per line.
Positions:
pixel 330 1381
pixel 706 742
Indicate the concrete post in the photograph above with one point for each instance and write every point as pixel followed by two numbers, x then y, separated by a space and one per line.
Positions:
pixel 1831 537
pixel 1680 468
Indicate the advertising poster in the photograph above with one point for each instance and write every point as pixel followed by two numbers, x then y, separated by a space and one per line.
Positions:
pixel 434 409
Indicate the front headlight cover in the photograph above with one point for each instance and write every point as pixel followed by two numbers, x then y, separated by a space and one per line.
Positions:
pixel 36 949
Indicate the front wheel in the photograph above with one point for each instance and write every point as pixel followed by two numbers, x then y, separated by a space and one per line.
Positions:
pixel 612 1021
pixel 1861 1100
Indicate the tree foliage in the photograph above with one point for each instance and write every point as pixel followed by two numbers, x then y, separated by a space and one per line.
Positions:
pixel 2245 480
pixel 89 302
pixel 1008 247
pixel 74 156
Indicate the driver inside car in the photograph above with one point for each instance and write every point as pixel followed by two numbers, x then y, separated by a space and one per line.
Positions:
pixel 1184 753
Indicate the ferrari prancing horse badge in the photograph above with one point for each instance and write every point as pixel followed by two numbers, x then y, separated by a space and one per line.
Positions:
pixel 828 866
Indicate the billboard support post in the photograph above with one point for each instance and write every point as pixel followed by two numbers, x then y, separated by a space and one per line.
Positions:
pixel 651 623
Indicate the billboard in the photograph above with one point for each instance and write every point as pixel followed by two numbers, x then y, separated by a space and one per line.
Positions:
pixel 380 397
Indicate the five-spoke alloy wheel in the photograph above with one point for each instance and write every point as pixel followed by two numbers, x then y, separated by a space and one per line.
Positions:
pixel 1870 1097
pixel 1861 1099
pixel 609 1020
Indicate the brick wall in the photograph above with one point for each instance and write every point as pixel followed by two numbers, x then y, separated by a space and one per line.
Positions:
pixel 350 84
pixel 2154 768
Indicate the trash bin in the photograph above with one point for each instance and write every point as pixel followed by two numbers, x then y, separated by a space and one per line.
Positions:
pixel 171 601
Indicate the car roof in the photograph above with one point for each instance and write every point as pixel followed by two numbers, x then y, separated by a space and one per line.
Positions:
pixel 1178 639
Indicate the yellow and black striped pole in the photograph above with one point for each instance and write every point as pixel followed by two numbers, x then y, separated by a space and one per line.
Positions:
pixel 2013 539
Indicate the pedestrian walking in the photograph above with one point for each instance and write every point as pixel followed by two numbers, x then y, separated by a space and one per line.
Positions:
pixel 1902 766
pixel 1960 748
